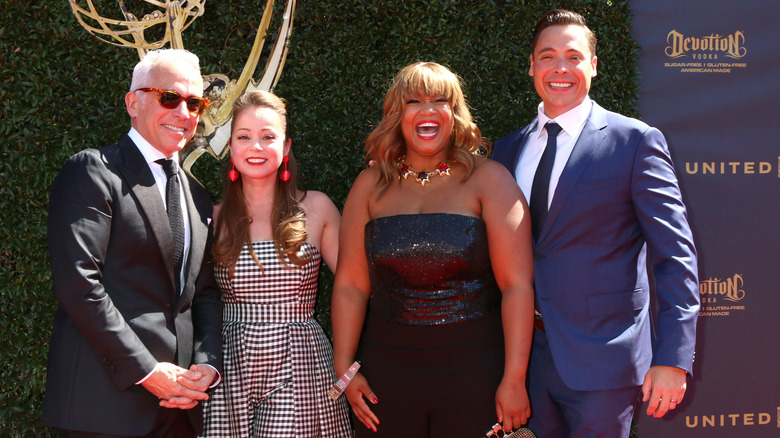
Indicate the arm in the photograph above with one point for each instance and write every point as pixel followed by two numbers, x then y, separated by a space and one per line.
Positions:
pixel 509 237
pixel 351 291
pixel 324 219
pixel 79 231
pixel 672 257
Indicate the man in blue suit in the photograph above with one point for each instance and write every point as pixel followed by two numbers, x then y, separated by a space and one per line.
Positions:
pixel 605 207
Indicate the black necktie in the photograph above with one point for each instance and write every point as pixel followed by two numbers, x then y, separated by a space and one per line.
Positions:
pixel 541 185
pixel 175 217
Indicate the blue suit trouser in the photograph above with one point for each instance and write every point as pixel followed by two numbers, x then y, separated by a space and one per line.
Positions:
pixel 558 411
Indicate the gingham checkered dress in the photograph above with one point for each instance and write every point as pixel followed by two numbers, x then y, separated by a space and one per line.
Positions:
pixel 277 359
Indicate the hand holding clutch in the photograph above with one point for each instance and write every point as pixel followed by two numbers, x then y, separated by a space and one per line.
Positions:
pixel 498 432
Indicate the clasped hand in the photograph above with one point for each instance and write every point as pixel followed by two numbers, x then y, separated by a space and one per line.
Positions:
pixel 178 387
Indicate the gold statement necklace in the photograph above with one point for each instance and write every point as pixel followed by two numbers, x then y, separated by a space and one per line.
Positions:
pixel 423 176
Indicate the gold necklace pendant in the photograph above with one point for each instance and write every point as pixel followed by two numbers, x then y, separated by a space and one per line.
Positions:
pixel 423 176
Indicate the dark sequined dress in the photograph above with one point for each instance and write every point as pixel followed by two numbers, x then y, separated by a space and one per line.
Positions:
pixel 432 347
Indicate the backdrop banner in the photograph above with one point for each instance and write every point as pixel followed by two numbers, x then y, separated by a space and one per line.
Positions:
pixel 709 81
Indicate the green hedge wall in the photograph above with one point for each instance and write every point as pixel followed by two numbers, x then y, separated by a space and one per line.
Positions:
pixel 62 91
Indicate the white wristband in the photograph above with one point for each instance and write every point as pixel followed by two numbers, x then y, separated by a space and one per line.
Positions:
pixel 339 387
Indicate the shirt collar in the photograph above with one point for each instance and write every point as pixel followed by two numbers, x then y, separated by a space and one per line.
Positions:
pixel 571 121
pixel 150 153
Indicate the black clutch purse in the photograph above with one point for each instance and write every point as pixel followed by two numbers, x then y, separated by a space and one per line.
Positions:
pixel 498 432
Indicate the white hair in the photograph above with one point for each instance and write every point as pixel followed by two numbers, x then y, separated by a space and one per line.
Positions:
pixel 163 57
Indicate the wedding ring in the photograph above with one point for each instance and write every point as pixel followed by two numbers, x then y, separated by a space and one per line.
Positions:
pixel 673 401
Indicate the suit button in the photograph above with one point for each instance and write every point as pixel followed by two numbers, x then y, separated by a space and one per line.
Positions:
pixel 108 363
pixel 538 256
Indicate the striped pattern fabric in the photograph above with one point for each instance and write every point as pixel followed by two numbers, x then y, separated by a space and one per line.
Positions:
pixel 278 361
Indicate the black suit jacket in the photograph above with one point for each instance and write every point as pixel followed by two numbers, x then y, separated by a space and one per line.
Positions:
pixel 111 253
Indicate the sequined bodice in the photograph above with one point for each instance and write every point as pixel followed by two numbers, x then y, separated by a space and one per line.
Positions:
pixel 430 269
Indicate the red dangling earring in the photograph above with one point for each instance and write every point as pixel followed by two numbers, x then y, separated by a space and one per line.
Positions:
pixel 285 176
pixel 233 174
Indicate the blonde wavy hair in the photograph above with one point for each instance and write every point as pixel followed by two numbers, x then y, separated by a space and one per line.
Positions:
pixel 385 145
pixel 232 227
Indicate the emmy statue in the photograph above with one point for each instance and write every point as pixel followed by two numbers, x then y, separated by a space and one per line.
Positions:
pixel 172 17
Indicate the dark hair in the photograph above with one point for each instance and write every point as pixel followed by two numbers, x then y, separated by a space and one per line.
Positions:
pixel 563 17
pixel 386 143
pixel 287 215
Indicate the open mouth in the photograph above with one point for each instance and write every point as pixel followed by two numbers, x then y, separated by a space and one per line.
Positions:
pixel 256 160
pixel 427 130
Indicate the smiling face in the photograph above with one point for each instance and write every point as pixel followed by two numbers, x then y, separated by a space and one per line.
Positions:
pixel 562 66
pixel 257 142
pixel 167 130
pixel 427 126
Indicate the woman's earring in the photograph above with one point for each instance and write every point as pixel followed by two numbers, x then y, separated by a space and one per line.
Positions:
pixel 233 174
pixel 285 176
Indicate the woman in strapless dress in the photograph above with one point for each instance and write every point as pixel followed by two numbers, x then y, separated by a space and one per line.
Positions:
pixel 433 291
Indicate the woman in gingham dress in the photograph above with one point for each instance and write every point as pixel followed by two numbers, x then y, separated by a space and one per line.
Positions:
pixel 269 241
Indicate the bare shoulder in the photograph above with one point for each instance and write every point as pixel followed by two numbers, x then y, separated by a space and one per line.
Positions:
pixel 365 183
pixel 322 223
pixel 490 172
pixel 367 178
pixel 315 201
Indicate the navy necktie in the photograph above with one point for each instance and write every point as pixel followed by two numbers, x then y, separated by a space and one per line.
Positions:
pixel 175 216
pixel 541 185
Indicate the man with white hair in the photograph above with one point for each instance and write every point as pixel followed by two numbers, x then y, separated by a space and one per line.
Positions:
pixel 136 340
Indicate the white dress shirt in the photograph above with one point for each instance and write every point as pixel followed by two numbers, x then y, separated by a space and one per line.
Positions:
pixel 151 155
pixel 571 123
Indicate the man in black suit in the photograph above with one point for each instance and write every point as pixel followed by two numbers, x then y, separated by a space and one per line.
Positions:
pixel 136 340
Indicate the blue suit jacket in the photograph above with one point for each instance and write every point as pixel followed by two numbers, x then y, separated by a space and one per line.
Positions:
pixel 616 212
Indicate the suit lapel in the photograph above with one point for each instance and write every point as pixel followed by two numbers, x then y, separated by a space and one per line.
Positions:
pixel 198 235
pixel 139 178
pixel 521 141
pixel 591 138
